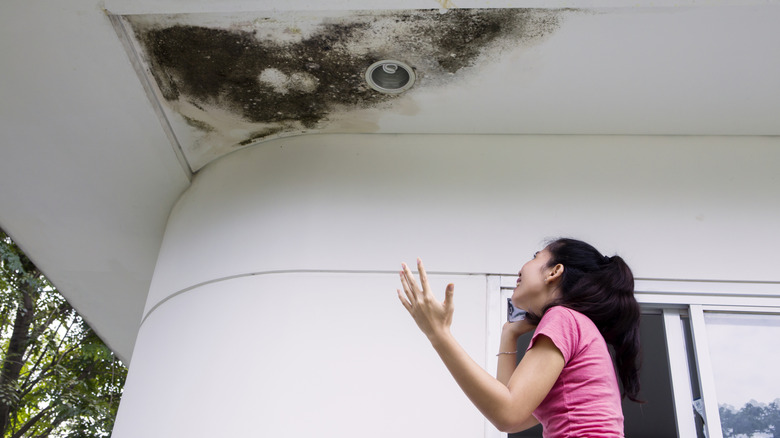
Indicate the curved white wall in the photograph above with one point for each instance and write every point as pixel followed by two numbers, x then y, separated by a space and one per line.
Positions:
pixel 295 355
pixel 272 311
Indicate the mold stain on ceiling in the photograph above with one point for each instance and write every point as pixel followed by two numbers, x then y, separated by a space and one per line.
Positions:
pixel 228 81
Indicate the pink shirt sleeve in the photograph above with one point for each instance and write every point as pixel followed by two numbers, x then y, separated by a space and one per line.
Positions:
pixel 562 330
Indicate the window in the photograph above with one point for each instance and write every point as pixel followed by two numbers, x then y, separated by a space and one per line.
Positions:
pixel 743 356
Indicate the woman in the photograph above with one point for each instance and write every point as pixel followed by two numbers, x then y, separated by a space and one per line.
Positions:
pixel 578 301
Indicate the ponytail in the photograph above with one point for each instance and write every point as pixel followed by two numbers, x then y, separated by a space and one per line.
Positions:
pixel 601 288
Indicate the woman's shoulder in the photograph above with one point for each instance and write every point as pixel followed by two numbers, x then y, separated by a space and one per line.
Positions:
pixel 563 313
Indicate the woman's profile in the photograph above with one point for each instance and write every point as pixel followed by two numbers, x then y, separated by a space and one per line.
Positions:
pixel 577 302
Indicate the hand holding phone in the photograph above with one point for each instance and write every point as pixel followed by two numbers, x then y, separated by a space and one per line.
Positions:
pixel 513 313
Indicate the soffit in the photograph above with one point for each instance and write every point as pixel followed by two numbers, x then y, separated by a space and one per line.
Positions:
pixel 226 80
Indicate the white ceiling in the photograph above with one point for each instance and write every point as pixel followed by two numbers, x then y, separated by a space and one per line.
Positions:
pixel 93 156
pixel 664 70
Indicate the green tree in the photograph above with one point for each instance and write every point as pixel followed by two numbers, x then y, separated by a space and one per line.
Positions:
pixel 57 378
pixel 772 417
pixel 751 419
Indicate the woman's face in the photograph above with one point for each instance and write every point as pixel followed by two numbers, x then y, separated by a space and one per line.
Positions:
pixel 534 290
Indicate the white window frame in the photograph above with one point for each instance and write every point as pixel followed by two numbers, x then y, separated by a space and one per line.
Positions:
pixel 679 373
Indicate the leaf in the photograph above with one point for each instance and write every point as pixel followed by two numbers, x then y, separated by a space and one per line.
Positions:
pixel 70 383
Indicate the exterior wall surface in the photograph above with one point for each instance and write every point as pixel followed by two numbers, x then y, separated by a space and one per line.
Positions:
pixel 273 312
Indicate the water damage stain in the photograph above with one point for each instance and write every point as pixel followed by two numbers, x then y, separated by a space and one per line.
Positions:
pixel 259 135
pixel 261 81
pixel 290 73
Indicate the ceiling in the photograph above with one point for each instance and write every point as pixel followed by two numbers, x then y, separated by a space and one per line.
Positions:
pixel 225 80
pixel 109 108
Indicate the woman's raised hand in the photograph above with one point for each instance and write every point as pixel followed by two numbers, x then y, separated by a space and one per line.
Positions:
pixel 432 316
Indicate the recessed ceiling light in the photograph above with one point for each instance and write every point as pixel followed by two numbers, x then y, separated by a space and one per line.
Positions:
pixel 390 76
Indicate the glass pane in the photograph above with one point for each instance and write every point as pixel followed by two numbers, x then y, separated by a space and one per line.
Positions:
pixel 655 418
pixel 744 354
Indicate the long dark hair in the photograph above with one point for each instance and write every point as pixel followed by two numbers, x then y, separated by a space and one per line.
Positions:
pixel 601 288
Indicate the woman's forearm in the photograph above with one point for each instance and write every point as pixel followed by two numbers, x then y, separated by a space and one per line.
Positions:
pixel 507 359
pixel 507 363
pixel 491 396
pixel 507 350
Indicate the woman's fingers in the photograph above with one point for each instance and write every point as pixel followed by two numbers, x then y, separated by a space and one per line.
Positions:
pixel 408 290
pixel 430 315
pixel 404 301
pixel 410 284
pixel 423 277
pixel 449 296
pixel 415 294
pixel 409 277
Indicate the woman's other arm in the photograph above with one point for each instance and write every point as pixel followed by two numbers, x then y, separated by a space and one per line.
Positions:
pixel 507 360
pixel 508 406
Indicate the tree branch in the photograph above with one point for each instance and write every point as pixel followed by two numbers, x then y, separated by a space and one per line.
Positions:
pixel 17 345
pixel 43 354
pixel 30 423
pixel 40 329
pixel 44 373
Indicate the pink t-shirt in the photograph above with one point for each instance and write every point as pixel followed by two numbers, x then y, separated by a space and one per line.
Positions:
pixel 585 400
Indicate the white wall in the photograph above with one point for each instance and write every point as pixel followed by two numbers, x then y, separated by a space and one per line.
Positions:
pixel 677 207
pixel 272 311
pixel 295 355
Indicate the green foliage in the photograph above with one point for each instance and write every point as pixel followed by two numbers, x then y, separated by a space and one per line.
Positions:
pixel 57 378
pixel 753 418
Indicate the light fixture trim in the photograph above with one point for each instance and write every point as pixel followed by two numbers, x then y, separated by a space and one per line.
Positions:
pixel 381 76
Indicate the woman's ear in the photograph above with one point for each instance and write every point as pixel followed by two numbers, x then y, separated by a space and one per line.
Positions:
pixel 555 273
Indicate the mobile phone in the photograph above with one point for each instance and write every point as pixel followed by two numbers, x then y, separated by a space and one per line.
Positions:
pixel 513 313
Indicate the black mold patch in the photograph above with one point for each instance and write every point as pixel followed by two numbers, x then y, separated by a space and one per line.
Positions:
pixel 223 67
pixel 259 135
pixel 203 126
pixel 460 35
pixel 290 84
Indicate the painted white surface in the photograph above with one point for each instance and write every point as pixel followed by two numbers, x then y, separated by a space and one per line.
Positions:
pixel 289 345
pixel 666 71
pixel 704 370
pixel 272 310
pixel 704 70
pixel 299 355
pixel 676 207
pixel 87 177
pixel 678 372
